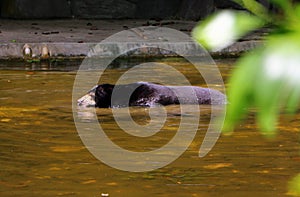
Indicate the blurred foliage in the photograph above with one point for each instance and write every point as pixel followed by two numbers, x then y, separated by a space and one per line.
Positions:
pixel 255 7
pixel 267 78
pixel 231 25
pixel 294 186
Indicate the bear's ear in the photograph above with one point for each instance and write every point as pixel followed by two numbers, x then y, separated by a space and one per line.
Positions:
pixel 103 95
pixel 108 88
pixel 93 89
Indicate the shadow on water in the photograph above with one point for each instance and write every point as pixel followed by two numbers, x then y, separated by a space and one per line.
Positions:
pixel 41 153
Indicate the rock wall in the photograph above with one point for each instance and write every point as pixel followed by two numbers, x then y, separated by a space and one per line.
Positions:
pixel 195 9
pixel 24 9
pixel 109 9
pixel 103 9
pixel 157 9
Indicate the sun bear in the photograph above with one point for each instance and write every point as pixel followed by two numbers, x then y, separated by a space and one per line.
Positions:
pixel 149 95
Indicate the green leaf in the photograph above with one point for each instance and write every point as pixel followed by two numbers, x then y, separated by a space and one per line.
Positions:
pixel 294 186
pixel 267 79
pixel 293 101
pixel 286 5
pixel 241 88
pixel 284 52
pixel 256 8
pixel 289 11
pixel 297 10
pixel 224 28
pixel 267 98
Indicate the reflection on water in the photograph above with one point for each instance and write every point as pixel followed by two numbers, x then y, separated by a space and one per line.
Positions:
pixel 41 153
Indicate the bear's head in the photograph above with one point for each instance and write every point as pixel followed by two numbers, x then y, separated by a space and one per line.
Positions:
pixel 103 95
pixel 98 96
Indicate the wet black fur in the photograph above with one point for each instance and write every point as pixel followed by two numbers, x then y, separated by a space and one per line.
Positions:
pixel 150 94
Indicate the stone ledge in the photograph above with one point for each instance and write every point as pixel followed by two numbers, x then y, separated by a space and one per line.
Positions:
pixel 70 50
pixel 74 38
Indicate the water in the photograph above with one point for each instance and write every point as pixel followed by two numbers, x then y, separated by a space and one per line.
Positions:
pixel 42 154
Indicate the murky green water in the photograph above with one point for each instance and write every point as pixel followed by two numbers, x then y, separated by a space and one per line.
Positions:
pixel 41 153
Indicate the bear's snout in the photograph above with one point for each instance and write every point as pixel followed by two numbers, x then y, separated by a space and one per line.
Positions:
pixel 87 100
